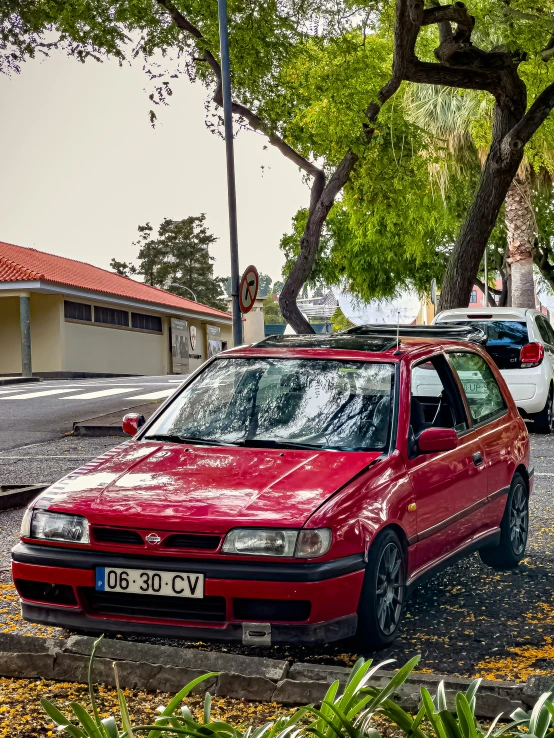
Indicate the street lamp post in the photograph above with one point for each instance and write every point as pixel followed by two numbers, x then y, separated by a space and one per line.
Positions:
pixel 231 190
pixel 182 287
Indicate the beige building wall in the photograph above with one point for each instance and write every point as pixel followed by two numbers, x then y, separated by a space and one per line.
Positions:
pixel 108 350
pixel 46 332
pixel 10 336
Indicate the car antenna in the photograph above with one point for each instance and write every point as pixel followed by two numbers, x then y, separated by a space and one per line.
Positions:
pixel 397 334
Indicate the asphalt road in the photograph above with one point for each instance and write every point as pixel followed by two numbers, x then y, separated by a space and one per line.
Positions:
pixel 37 412
pixel 469 620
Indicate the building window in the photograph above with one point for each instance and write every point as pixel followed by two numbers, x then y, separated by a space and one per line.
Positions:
pixel 146 322
pixel 111 316
pixel 77 310
pixel 473 297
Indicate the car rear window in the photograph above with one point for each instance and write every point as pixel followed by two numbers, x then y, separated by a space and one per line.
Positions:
pixel 505 339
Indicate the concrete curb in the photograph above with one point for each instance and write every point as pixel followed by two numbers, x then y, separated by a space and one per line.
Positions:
pixel 16 495
pixel 95 428
pixel 167 669
pixel 18 380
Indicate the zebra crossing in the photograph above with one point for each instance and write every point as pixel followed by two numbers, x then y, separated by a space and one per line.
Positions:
pixel 157 388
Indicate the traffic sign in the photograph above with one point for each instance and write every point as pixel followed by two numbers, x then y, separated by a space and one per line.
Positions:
pixel 248 289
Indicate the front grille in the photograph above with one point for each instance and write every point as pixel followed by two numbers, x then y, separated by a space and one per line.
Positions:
pixel 53 594
pixel 209 609
pixel 269 610
pixel 122 536
pixel 188 540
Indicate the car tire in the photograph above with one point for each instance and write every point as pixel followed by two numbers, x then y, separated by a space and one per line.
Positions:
pixel 514 529
pixel 543 420
pixel 383 593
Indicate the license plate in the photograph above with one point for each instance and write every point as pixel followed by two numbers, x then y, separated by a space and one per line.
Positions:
pixel 150 581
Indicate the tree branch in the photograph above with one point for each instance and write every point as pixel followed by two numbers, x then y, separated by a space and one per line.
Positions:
pixel 252 118
pixel 531 121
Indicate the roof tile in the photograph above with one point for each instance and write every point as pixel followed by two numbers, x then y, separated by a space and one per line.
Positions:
pixel 20 264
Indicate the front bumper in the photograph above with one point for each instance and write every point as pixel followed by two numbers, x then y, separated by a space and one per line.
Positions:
pixel 327 593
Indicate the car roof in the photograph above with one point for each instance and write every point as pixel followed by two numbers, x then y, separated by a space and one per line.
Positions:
pixel 344 346
pixel 492 313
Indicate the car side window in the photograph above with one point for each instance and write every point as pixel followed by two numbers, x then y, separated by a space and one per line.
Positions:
pixel 543 327
pixel 483 395
pixel 546 331
pixel 435 401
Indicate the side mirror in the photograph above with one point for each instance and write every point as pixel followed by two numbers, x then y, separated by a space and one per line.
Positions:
pixel 131 423
pixel 433 440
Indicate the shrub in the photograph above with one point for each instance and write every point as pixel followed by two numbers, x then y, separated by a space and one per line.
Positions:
pixel 342 714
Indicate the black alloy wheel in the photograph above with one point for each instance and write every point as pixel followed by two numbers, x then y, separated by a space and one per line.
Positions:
pixel 519 519
pixel 383 592
pixel 390 589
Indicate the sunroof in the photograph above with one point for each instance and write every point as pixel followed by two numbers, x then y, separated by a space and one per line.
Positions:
pixel 375 344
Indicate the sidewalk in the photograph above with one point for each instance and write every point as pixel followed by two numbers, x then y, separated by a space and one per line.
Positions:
pixel 17 380
pixel 110 423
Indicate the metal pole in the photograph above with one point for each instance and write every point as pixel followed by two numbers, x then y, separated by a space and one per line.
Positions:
pixel 486 297
pixel 231 190
pixel 25 327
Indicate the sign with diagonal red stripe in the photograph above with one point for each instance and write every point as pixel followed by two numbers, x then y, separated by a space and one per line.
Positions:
pixel 248 289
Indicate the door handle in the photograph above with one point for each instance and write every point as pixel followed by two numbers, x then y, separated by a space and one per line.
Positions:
pixel 477 458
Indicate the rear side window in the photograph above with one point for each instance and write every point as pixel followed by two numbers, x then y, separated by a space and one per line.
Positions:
pixel 505 339
pixel 482 392
pixel 545 330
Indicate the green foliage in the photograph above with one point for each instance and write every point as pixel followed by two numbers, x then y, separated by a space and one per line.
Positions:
pixel 343 713
pixel 339 321
pixel 272 311
pixel 179 255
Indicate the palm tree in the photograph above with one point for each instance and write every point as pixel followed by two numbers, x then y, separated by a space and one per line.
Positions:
pixel 447 114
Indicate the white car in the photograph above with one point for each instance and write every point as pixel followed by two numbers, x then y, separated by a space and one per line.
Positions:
pixel 521 342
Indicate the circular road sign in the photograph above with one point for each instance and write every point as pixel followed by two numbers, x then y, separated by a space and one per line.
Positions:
pixel 248 289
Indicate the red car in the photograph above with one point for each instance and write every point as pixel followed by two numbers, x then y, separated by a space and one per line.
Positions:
pixel 291 491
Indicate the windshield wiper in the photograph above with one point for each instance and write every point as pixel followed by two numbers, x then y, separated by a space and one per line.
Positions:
pixel 186 439
pixel 267 443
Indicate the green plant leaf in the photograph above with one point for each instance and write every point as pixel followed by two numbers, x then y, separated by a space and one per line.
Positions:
pixel 429 706
pixel 441 697
pixel 450 724
pixel 53 713
pixel 466 718
pixel 179 697
pixel 110 727
pixel 347 724
pixel 91 685
pixel 398 679
pixel 540 716
pixel 92 728
pixel 125 719
pixel 207 708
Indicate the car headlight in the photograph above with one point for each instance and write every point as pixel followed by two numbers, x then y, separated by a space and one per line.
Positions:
pixel 271 542
pixel 52 526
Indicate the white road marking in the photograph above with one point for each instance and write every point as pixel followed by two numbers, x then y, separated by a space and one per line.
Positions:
pixel 176 381
pixel 544 474
pixel 42 393
pixel 102 393
pixel 154 395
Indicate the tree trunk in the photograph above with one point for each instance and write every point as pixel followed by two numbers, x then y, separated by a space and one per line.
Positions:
pixel 322 199
pixel 520 228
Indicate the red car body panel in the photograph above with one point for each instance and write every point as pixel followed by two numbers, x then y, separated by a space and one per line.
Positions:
pixel 441 504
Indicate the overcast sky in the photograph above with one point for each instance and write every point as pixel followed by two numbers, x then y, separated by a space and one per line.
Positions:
pixel 81 167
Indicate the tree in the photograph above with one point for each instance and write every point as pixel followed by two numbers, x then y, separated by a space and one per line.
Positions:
pixel 272 311
pixel 179 255
pixel 462 65
pixel 339 321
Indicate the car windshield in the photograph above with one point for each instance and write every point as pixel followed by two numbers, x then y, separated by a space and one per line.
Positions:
pixel 271 402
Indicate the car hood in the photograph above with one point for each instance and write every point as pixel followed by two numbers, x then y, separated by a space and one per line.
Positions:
pixel 171 486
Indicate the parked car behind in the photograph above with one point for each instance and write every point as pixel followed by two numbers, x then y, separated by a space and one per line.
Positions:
pixel 521 342
pixel 296 490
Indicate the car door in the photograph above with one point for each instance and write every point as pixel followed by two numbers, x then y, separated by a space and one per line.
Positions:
pixel 448 485
pixel 490 419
